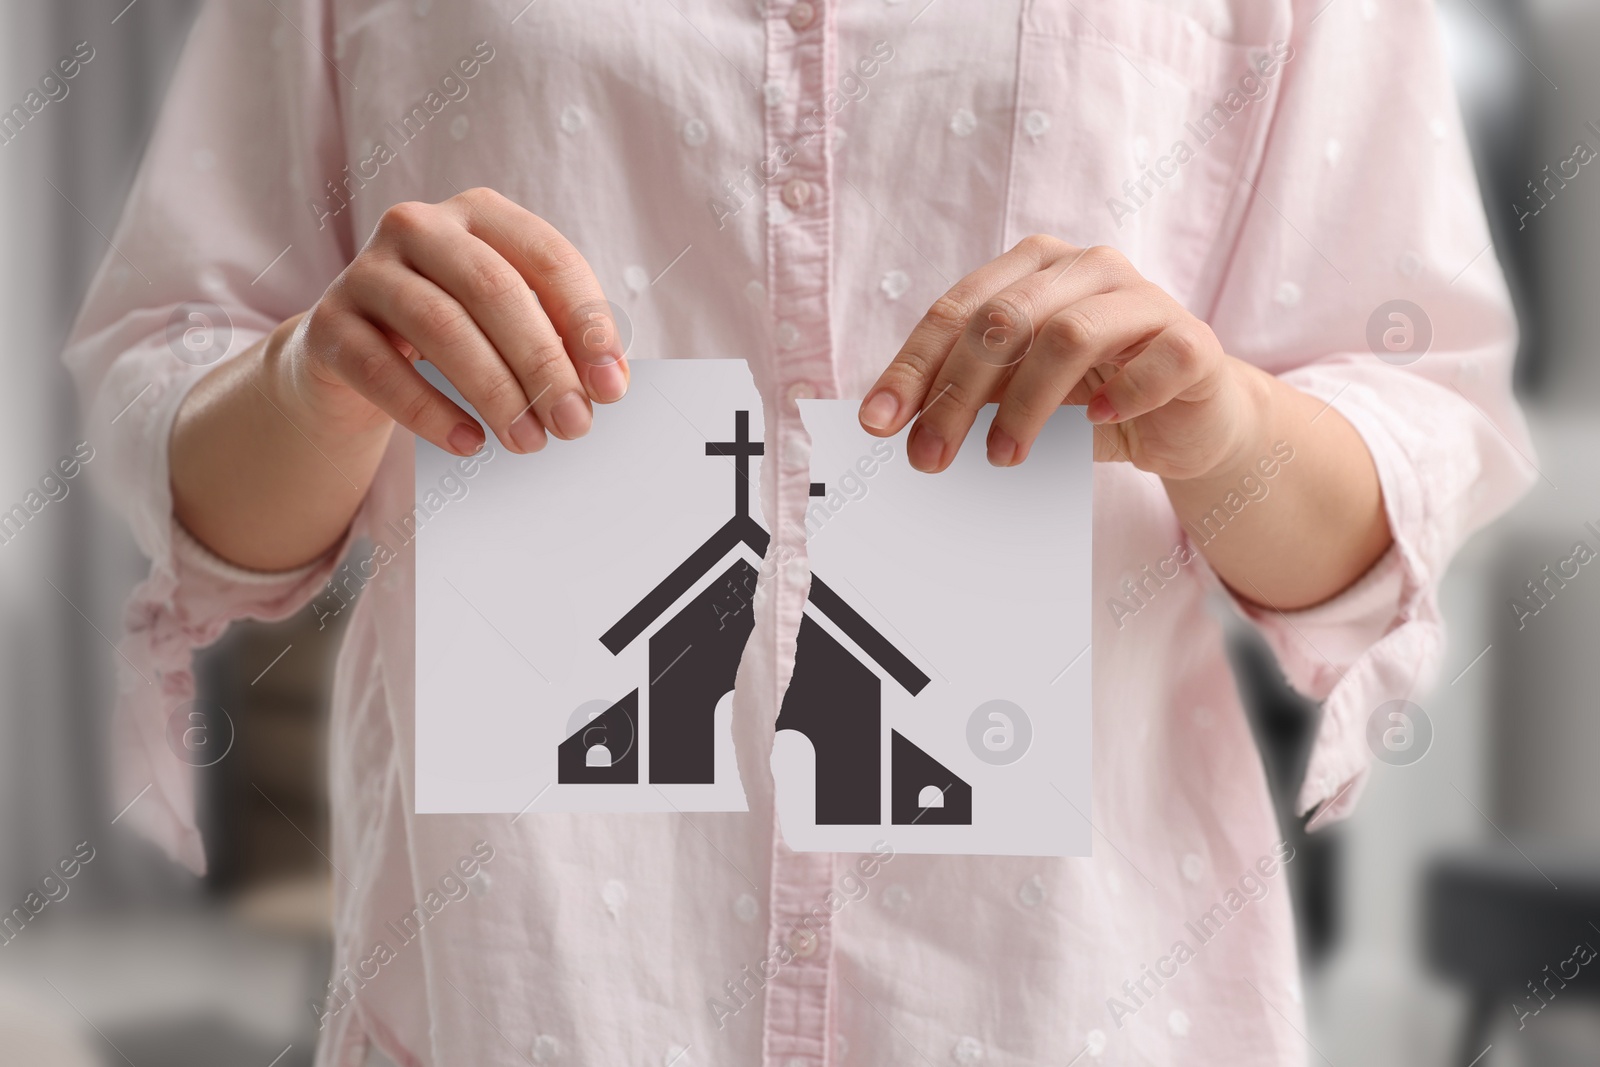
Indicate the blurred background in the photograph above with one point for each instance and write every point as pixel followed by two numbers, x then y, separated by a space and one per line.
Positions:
pixel 1441 926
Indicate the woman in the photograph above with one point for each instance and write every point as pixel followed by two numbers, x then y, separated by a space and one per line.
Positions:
pixel 1195 218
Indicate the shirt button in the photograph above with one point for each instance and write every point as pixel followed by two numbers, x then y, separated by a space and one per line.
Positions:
pixel 803 943
pixel 796 193
pixel 799 391
pixel 802 14
pixel 788 334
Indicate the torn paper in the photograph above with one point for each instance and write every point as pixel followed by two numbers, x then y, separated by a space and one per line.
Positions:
pixel 941 690
pixel 581 612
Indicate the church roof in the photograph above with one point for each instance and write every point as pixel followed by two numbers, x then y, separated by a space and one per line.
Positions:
pixel 742 529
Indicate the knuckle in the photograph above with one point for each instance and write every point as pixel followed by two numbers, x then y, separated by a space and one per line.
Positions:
pixel 500 390
pixel 949 313
pixel 1105 259
pixel 414 409
pixel 1006 312
pixel 443 321
pixel 480 196
pixel 1001 324
pixel 562 260
pixel 1021 408
pixel 947 397
pixel 366 367
pixel 318 327
pixel 405 219
pixel 545 360
pixel 343 293
pixel 912 366
pixel 479 205
pixel 1041 245
pixel 1070 331
pixel 551 254
pixel 1190 346
pixel 495 282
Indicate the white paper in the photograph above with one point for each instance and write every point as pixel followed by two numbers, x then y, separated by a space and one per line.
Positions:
pixel 519 582
pixel 581 614
pixel 969 594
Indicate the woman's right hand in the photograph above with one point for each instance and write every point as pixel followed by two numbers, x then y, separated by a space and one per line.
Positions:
pixel 491 295
pixel 273 451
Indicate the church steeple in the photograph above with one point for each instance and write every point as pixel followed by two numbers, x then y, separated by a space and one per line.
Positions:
pixel 743 528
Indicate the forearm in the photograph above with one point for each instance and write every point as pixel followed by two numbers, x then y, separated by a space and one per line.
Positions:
pixel 257 481
pixel 1304 533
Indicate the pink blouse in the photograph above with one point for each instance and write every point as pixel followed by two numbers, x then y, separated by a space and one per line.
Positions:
pixel 794 182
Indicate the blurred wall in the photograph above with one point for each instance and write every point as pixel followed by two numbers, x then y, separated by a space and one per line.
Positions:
pixel 63 577
pixel 1548 736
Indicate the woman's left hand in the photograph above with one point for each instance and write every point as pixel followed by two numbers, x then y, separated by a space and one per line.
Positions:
pixel 1048 323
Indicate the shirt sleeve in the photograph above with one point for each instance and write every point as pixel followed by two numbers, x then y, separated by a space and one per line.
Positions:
pixel 1364 275
pixel 218 243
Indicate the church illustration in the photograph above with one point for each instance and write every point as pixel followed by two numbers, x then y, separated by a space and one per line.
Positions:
pixel 834 697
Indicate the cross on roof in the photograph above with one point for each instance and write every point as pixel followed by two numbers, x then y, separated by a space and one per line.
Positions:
pixel 741 448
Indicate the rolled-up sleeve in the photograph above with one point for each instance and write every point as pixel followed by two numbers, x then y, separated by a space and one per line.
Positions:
pixel 218 243
pixel 1365 276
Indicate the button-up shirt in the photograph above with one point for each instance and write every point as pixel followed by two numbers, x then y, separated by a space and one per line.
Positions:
pixel 793 182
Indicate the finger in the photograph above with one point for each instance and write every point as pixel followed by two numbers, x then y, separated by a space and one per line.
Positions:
pixel 400 300
pixel 497 298
pixel 901 389
pixel 566 287
pixel 1090 332
pixel 1173 366
pixel 363 357
pixel 998 344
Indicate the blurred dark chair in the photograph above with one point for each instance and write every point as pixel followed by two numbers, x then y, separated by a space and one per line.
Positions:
pixel 1285 725
pixel 1493 922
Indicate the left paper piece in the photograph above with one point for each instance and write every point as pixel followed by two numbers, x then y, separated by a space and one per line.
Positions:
pixel 572 602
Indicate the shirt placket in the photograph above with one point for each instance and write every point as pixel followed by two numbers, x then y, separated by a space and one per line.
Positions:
pixel 800 40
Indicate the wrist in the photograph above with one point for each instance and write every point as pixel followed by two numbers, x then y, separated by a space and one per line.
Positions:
pixel 327 411
pixel 1245 413
pixel 277 376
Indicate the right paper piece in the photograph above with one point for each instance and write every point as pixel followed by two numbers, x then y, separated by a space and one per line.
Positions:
pixel 940 699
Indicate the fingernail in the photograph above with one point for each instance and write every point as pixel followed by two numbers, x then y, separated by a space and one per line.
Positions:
pixel 464 439
pixel 526 432
pixel 879 412
pixel 925 449
pixel 1100 409
pixel 1002 447
pixel 571 416
pixel 607 382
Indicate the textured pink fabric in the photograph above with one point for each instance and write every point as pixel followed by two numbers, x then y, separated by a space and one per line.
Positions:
pixel 661 138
